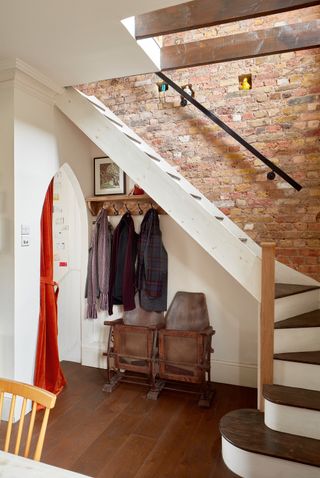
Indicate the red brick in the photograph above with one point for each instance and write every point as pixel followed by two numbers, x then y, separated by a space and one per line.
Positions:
pixel 280 120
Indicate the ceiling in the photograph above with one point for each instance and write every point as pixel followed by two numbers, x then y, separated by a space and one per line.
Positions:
pixel 75 41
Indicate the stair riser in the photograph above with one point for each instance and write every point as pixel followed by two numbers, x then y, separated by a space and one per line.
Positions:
pixel 296 304
pixel 254 465
pixel 297 421
pixel 297 340
pixel 296 374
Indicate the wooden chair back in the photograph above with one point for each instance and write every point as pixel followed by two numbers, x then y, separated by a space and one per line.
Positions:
pixel 38 396
pixel 143 318
pixel 188 311
pixel 185 343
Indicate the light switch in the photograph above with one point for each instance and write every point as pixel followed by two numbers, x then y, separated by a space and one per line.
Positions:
pixel 25 241
pixel 25 229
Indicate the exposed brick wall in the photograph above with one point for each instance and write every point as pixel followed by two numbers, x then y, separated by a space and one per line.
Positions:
pixel 280 116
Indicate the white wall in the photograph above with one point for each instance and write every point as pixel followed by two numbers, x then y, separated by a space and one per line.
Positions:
pixel 67 242
pixel 6 228
pixel 44 140
pixel 233 311
pixel 36 161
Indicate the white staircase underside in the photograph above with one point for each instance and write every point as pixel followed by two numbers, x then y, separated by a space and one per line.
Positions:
pixel 220 237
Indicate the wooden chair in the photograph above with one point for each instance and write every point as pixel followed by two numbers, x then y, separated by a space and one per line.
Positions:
pixel 38 396
pixel 185 346
pixel 133 348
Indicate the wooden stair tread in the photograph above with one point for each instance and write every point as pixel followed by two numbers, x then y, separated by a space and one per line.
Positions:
pixel 292 396
pixel 285 290
pixel 309 319
pixel 245 429
pixel 302 357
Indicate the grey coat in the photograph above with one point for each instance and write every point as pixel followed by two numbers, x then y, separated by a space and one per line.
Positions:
pixel 98 266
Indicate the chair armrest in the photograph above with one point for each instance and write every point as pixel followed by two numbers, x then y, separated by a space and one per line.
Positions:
pixel 157 327
pixel 208 331
pixel 113 322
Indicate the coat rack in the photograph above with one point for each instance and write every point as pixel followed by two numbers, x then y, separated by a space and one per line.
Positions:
pixel 119 204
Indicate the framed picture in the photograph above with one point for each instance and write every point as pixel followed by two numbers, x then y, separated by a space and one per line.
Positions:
pixel 108 177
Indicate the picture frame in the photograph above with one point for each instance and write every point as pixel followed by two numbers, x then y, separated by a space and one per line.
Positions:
pixel 108 177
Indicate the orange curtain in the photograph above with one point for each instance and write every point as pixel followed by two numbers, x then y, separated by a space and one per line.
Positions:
pixel 48 373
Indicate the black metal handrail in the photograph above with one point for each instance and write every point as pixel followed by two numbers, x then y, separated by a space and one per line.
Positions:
pixel 231 132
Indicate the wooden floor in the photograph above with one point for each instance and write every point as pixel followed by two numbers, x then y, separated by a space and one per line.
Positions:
pixel 123 435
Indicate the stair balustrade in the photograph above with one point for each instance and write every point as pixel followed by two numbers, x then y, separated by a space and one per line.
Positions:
pixel 266 319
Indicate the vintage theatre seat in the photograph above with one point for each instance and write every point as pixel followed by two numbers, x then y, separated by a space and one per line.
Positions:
pixel 185 344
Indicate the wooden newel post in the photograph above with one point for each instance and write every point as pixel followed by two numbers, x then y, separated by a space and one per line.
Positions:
pixel 267 317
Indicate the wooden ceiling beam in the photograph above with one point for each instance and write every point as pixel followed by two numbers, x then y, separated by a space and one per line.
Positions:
pixel 205 13
pixel 275 40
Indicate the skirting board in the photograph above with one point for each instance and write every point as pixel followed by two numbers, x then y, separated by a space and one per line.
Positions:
pixel 244 375
pixel 92 355
pixel 241 374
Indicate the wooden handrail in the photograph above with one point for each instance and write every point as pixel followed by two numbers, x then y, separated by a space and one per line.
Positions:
pixel 266 318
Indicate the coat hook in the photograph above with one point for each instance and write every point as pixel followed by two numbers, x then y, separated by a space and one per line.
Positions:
pixel 151 205
pixel 125 205
pixel 140 210
pixel 116 212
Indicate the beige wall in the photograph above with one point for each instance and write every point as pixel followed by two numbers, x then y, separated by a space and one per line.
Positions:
pixel 6 228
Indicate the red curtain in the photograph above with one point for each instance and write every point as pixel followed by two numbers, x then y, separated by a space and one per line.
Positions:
pixel 48 373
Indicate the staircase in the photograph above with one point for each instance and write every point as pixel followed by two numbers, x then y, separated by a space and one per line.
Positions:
pixel 284 441
pixel 220 237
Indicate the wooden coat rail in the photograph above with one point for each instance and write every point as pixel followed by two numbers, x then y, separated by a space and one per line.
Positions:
pixel 119 204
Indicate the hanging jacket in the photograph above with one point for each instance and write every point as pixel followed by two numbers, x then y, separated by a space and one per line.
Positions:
pixel 122 270
pixel 152 267
pixel 97 284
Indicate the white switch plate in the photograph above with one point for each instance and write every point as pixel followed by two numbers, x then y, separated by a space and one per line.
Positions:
pixel 25 229
pixel 25 241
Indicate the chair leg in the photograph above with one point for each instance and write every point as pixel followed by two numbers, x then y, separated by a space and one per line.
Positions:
pixel 156 385
pixel 155 390
pixel 112 383
pixel 112 380
pixel 206 398
pixel 208 392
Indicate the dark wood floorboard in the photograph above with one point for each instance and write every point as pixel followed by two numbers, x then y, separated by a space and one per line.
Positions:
pixel 123 435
